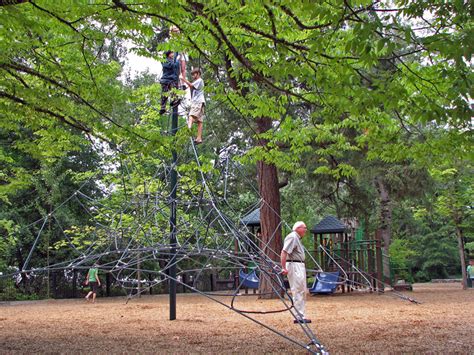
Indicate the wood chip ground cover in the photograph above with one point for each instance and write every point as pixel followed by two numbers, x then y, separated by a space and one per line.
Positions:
pixel 355 323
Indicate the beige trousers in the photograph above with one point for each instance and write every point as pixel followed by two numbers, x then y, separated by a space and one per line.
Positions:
pixel 297 279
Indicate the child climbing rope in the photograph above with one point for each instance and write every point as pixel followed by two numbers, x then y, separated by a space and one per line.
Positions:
pixel 169 80
pixel 182 58
pixel 196 112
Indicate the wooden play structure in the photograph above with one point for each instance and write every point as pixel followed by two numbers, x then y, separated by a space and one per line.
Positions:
pixel 248 278
pixel 344 245
pixel 252 222
pixel 339 245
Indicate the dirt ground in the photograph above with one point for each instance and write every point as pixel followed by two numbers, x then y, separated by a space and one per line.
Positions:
pixel 355 323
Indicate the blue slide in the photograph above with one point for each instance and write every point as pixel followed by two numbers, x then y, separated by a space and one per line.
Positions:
pixel 325 283
pixel 249 280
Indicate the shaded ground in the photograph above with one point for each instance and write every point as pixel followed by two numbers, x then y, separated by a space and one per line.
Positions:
pixel 356 323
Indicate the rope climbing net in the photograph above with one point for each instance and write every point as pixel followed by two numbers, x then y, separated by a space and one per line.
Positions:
pixel 126 231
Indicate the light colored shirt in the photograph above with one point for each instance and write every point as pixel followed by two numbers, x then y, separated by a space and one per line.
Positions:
pixel 294 247
pixel 197 96
pixel 470 271
pixel 182 56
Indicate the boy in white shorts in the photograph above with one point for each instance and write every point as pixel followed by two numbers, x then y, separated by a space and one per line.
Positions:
pixel 196 113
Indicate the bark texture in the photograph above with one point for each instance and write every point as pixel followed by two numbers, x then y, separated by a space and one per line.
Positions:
pixel 270 220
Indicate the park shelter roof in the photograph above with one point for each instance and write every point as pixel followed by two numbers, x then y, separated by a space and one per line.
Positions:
pixel 329 224
pixel 252 219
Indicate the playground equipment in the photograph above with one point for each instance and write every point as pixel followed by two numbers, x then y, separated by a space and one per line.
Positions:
pixel 342 247
pixel 249 280
pixel 325 283
pixel 134 245
pixel 252 222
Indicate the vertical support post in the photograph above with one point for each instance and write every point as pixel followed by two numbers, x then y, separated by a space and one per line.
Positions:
pixel 74 283
pixel 378 256
pixel 107 284
pixel 173 242
pixel 321 253
pixel 236 250
pixel 212 281
pixel 48 285
pixel 54 284
pixel 139 277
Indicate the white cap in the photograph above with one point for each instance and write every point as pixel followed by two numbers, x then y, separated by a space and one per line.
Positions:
pixel 298 224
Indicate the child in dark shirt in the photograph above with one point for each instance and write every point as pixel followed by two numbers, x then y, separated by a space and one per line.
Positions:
pixel 169 80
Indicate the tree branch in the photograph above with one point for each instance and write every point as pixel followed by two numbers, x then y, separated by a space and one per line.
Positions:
pixel 76 123
pixel 67 23
pixel 301 25
pixel 75 95
pixel 274 38
pixel 257 76
pixel 12 2
pixel 78 97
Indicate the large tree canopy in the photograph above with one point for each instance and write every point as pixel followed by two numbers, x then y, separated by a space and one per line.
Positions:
pixel 339 88
pixel 374 67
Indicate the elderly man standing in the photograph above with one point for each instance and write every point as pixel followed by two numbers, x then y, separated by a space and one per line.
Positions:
pixel 292 263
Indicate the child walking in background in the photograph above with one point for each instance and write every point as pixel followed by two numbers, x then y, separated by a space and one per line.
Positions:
pixel 92 279
pixel 470 273
pixel 196 112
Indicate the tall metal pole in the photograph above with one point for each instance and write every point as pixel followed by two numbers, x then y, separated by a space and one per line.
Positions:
pixel 174 185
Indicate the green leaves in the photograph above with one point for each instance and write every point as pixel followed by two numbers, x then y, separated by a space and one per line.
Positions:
pixel 350 90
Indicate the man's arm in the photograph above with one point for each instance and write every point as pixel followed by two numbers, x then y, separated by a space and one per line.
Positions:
pixel 283 257
pixel 97 277
pixel 188 83
pixel 182 64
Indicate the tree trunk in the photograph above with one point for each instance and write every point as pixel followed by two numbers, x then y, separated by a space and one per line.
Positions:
pixel 385 225
pixel 457 216
pixel 462 257
pixel 270 221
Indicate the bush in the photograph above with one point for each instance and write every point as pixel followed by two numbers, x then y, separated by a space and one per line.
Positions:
pixel 422 276
pixel 9 292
